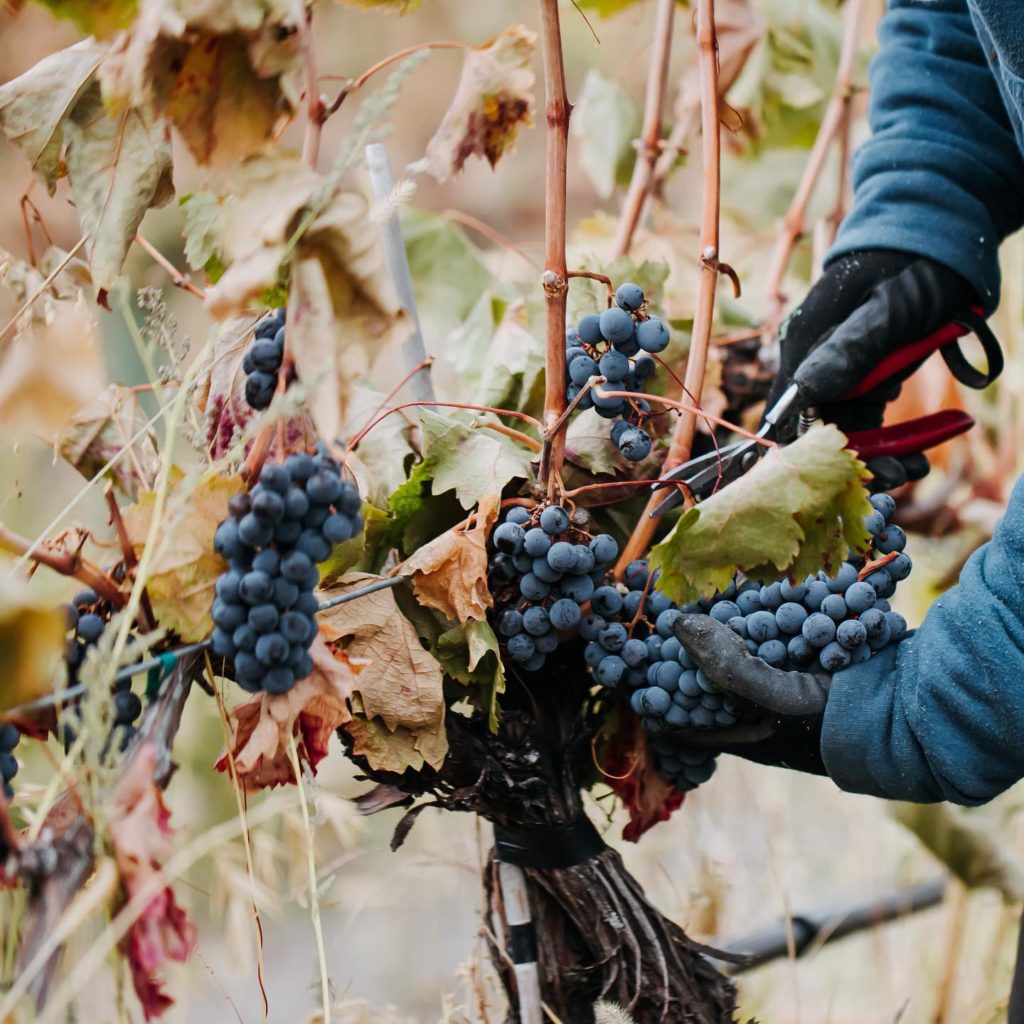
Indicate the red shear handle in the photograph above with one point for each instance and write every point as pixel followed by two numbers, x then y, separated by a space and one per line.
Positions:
pixel 910 354
pixel 918 435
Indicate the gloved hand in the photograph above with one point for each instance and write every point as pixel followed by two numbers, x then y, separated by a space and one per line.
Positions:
pixel 792 703
pixel 865 305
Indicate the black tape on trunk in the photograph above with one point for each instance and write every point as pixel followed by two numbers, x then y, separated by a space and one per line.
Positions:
pixel 549 846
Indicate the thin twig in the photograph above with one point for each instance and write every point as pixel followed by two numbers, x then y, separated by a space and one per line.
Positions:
pixel 700 337
pixel 794 223
pixel 649 148
pixel 568 410
pixel 593 275
pixel 29 302
pixel 525 417
pixel 128 553
pixel 356 84
pixel 554 279
pixel 489 233
pixel 178 279
pixel 516 435
pixel 64 563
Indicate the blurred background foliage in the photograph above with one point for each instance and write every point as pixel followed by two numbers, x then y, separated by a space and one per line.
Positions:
pixel 404 931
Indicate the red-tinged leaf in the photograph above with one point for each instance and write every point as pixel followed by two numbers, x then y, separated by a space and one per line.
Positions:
pixel 310 711
pixel 629 770
pixel 142 837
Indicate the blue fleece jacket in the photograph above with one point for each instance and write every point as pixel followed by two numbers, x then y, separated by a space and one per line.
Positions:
pixel 941 716
pixel 943 174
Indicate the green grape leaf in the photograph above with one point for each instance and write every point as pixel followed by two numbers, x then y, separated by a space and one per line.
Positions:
pixel 400 6
pixel 35 106
pixel 202 228
pixel 514 363
pixel 605 121
pixel 494 99
pixel 606 8
pixel 588 443
pixel 119 166
pixel 800 509
pixel 473 463
pixel 470 654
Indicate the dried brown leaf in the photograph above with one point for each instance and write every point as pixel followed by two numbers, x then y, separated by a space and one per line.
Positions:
pixel 450 573
pixel 311 711
pixel 493 101
pixel 102 430
pixel 142 838
pixel 402 684
pixel 181 580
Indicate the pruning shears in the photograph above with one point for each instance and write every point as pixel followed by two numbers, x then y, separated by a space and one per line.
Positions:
pixel 706 474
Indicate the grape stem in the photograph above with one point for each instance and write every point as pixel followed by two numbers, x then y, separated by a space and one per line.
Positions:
pixel 834 124
pixel 700 338
pixel 148 622
pixel 554 280
pixel 649 144
pixel 524 417
pixel 516 435
pixel 568 410
pixel 593 275
pixel 878 563
pixel 67 564
pixel 178 279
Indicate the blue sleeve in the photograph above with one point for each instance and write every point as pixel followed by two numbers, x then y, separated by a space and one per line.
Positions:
pixel 940 716
pixel 942 175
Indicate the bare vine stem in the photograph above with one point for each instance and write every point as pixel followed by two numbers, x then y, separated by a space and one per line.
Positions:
pixel 700 338
pixel 316 113
pixel 649 148
pixel 837 115
pixel 178 279
pixel 65 563
pixel 555 277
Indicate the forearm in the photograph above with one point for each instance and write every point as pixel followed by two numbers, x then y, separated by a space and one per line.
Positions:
pixel 941 717
pixel 942 175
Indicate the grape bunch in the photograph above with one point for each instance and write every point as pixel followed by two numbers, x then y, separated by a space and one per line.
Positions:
pixel 823 623
pixel 87 617
pixel 9 737
pixel 262 360
pixel 606 344
pixel 544 565
pixel 264 611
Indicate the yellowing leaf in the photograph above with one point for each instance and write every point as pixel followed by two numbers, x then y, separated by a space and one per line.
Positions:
pixel 473 463
pixel 311 710
pixel 470 654
pixel 494 99
pixel 51 369
pixel 181 582
pixel 119 166
pixel 32 635
pixel 402 683
pixel 35 106
pixel 450 572
pixel 800 509
pixel 97 17
pixel 99 432
pixel 513 365
pixel 221 73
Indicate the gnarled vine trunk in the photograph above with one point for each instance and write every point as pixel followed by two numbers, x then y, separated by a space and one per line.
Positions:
pixel 597 935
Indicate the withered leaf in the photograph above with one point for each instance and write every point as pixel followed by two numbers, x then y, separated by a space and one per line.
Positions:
pixel 143 840
pixel 493 101
pixel 450 572
pixel 311 710
pixel 221 73
pixel 32 635
pixel 51 369
pixel 105 428
pixel 181 582
pixel 402 683
pixel 119 166
pixel 35 106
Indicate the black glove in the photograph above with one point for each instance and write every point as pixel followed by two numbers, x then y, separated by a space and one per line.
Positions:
pixel 792 704
pixel 866 305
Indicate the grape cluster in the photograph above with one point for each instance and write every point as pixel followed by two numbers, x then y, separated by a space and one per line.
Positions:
pixel 544 565
pixel 606 344
pixel 824 623
pixel 9 737
pixel 87 618
pixel 262 360
pixel 264 611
